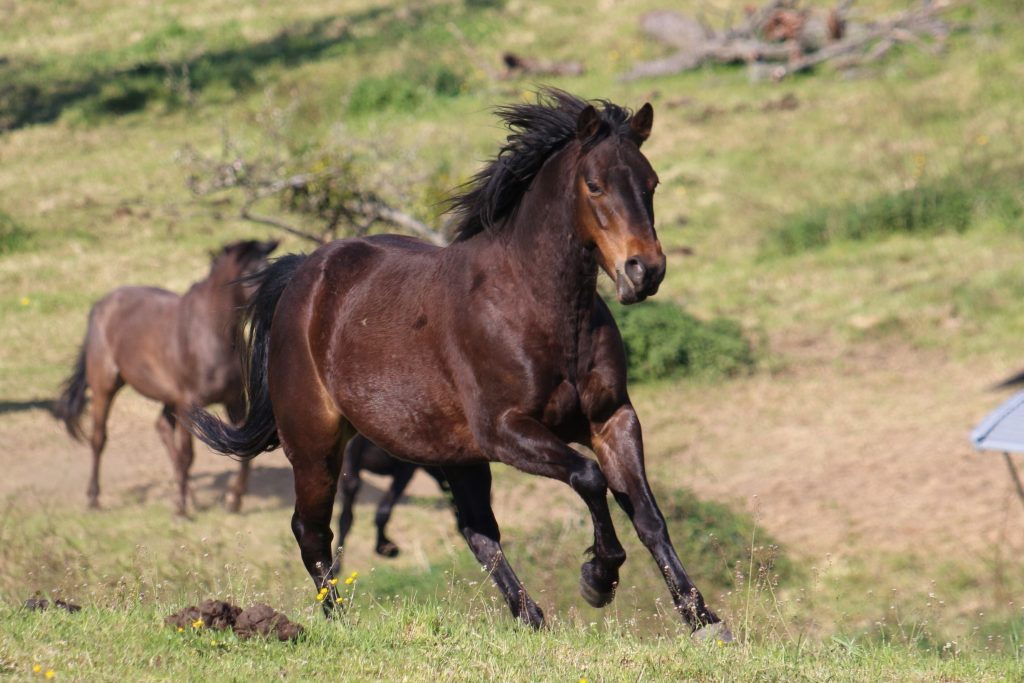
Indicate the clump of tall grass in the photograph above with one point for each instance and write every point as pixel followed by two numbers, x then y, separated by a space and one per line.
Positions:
pixel 953 203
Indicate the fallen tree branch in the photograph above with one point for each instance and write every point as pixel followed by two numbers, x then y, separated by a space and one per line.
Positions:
pixel 792 38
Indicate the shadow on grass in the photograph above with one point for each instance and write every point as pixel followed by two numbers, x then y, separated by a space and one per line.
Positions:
pixel 27 98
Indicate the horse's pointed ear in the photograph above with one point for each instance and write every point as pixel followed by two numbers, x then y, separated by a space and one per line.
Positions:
pixel 269 246
pixel 587 123
pixel 641 123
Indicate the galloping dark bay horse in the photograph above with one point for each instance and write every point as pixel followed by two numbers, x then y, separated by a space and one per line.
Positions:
pixel 361 454
pixel 496 348
pixel 178 350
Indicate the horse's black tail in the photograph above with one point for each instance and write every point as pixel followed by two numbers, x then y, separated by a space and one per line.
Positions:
pixel 70 405
pixel 258 431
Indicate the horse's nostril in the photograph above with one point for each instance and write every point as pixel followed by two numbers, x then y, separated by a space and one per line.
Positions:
pixel 635 270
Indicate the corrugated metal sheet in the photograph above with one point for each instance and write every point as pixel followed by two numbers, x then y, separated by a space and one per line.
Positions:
pixel 1003 429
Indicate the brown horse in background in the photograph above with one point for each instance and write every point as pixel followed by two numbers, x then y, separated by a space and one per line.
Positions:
pixel 496 348
pixel 361 454
pixel 178 350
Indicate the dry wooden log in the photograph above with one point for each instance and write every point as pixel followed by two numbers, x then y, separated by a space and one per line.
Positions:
pixel 790 38
pixel 516 65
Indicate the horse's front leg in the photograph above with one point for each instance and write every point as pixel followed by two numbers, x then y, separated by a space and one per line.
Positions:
pixel 619 447
pixel 528 445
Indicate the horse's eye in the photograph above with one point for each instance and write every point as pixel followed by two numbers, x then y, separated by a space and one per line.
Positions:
pixel 593 187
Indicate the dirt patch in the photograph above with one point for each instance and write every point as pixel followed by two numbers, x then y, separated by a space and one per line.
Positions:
pixel 258 620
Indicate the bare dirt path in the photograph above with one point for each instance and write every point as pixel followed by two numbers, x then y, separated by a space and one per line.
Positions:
pixel 841 451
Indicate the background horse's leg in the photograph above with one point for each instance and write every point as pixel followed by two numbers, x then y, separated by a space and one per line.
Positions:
pixel 102 398
pixel 237 489
pixel 529 446
pixel 315 454
pixel 400 478
pixel 349 485
pixel 471 488
pixel 233 502
pixel 619 447
pixel 178 441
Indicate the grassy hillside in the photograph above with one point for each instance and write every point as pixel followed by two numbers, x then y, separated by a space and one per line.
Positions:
pixel 868 242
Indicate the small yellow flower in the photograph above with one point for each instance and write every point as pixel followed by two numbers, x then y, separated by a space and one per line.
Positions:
pixel 981 140
pixel 213 642
pixel 25 301
pixel 198 623
pixel 181 630
pixel 50 673
pixel 333 582
pixel 37 667
pixel 721 643
pixel 323 591
pixel 583 680
pixel 349 581
pixel 340 600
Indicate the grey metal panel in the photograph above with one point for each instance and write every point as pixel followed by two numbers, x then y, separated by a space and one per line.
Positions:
pixel 1003 428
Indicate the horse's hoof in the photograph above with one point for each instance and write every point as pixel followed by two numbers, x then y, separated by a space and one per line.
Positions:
pixel 233 504
pixel 94 505
pixel 388 549
pixel 594 597
pixel 717 633
pixel 532 616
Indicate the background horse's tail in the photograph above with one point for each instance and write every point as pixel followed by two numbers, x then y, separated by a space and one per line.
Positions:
pixel 258 431
pixel 70 405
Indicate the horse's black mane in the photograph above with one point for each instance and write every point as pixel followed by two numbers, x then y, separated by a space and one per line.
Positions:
pixel 538 130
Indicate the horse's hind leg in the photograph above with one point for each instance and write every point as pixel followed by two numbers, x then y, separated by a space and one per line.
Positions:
pixel 233 502
pixel 400 479
pixel 178 442
pixel 315 454
pixel 103 393
pixel 349 485
pixel 471 489
pixel 238 488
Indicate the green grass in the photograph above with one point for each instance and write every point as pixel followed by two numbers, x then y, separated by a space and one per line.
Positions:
pixel 400 640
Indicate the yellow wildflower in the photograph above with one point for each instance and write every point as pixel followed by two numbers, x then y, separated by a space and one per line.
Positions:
pixel 721 643
pixel 981 140
pixel 180 629
pixel 50 673
pixel 583 680
pixel 25 301
pixel 198 623
pixel 320 597
pixel 333 582
pixel 340 600
pixel 37 667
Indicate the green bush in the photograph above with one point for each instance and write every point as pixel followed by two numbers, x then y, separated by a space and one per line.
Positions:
pixel 951 204
pixel 664 341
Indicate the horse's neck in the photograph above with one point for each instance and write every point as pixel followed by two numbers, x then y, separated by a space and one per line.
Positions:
pixel 210 303
pixel 560 270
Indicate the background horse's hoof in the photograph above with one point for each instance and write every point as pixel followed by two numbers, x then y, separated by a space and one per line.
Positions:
pixel 594 597
pixel 388 549
pixel 233 503
pixel 713 633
